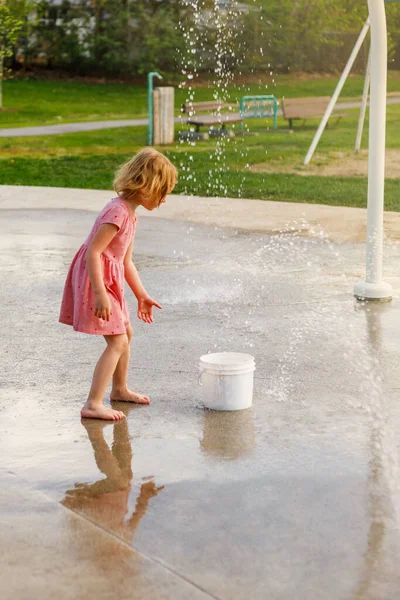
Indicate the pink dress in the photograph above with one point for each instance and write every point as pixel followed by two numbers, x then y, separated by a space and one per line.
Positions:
pixel 77 307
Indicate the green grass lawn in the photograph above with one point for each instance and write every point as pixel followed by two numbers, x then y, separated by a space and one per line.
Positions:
pixel 50 102
pixel 209 168
pixel 96 172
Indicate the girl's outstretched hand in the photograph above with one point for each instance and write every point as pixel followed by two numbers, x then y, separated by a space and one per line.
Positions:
pixel 145 309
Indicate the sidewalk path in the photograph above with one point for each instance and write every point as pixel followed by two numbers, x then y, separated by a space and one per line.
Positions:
pixel 97 125
pixel 69 127
pixel 73 127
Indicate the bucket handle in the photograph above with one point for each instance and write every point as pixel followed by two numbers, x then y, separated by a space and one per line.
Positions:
pixel 200 376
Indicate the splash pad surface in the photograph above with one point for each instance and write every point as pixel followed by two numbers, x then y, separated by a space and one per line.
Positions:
pixel 313 463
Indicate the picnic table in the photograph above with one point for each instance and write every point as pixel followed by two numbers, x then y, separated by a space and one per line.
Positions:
pixel 216 117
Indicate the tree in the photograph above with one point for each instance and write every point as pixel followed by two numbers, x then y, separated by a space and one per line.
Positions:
pixel 23 10
pixel 156 38
pixel 9 29
pixel 301 35
pixel 108 37
pixel 61 32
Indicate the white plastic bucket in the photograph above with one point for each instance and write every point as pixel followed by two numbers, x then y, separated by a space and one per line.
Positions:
pixel 227 380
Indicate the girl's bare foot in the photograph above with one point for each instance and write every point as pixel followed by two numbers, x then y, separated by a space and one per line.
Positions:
pixel 99 411
pixel 128 396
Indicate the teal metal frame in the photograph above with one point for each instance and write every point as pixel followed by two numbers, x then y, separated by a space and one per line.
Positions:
pixel 254 107
pixel 150 77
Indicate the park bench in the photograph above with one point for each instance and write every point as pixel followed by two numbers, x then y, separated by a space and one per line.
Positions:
pixel 304 108
pixel 215 117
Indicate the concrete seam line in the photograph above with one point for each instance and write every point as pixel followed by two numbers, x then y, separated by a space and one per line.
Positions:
pixel 119 540
pixel 133 549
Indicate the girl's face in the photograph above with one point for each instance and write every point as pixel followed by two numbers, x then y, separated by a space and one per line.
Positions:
pixel 162 201
pixel 153 203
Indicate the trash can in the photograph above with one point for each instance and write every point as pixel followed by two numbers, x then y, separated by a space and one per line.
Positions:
pixel 163 116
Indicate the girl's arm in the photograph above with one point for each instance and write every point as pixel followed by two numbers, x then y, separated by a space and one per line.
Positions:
pixel 132 276
pixel 145 303
pixel 99 243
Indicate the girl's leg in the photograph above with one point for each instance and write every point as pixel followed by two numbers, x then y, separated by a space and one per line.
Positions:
pixel 120 389
pixel 120 375
pixel 94 408
pixel 105 459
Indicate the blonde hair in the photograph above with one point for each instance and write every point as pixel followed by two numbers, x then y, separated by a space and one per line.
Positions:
pixel 148 174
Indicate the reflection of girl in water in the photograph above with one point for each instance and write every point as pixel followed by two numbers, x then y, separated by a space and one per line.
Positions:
pixel 106 501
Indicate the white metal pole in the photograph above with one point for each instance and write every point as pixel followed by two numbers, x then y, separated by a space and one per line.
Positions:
pixel 336 93
pixel 363 105
pixel 373 288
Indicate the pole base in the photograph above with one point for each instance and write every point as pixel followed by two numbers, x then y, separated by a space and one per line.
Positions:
pixel 378 292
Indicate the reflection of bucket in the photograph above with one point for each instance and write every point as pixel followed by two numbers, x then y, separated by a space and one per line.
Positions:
pixel 228 436
pixel 227 380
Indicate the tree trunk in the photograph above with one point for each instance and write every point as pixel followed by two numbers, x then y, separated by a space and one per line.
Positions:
pixel 1 77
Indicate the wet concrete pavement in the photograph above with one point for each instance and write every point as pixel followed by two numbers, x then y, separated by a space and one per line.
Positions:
pixel 297 497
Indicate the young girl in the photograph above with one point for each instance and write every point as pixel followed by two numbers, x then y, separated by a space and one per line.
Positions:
pixel 93 300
